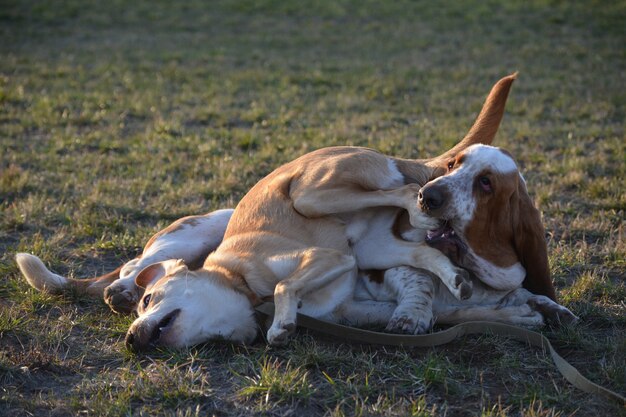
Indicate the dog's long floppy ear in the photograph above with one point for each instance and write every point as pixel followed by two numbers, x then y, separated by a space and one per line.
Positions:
pixel 152 273
pixel 530 244
pixel 486 125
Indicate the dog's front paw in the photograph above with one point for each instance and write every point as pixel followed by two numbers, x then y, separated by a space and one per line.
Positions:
pixel 279 333
pixel 121 298
pixel 553 313
pixel 462 287
pixel 405 323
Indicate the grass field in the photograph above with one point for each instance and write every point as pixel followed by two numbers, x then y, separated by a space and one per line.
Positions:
pixel 117 117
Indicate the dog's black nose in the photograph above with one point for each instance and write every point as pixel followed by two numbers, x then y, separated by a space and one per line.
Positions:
pixel 431 198
pixel 130 340
pixel 137 340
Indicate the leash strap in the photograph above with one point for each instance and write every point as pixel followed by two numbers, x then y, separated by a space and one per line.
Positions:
pixel 354 334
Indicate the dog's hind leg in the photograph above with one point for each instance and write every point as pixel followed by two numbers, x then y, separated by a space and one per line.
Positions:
pixel 313 201
pixel 326 274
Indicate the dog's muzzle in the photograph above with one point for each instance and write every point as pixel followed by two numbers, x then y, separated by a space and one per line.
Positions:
pixel 146 336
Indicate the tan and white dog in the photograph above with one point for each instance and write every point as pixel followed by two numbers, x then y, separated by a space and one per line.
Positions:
pixel 300 234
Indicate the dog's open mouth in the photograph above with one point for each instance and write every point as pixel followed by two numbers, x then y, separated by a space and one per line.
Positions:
pixel 163 326
pixel 445 239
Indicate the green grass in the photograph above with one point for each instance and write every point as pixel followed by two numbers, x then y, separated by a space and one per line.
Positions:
pixel 118 117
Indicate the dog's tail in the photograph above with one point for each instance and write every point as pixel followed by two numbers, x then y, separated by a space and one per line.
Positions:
pixel 486 125
pixel 43 279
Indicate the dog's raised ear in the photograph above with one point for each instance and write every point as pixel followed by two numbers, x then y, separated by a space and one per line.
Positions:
pixel 486 125
pixel 152 273
pixel 530 244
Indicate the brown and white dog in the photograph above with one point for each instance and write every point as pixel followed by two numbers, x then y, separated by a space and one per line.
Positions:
pixel 300 234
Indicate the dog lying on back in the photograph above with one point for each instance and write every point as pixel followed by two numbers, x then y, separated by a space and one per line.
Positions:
pixel 301 232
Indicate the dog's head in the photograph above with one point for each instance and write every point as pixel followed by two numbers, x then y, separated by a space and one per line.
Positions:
pixel 181 308
pixel 491 226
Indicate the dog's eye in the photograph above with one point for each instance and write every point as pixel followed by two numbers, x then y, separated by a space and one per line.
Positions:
pixel 450 165
pixel 146 300
pixel 485 184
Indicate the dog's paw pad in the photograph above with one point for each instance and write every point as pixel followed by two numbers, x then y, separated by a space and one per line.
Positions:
pixel 463 285
pixel 465 291
pixel 120 299
pixel 462 276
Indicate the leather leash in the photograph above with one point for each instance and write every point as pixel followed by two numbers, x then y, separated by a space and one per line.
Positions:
pixel 536 339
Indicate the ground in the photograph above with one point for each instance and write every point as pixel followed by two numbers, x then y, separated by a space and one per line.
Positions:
pixel 118 117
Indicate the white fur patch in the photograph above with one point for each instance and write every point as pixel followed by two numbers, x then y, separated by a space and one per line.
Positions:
pixel 485 156
pixel 498 277
pixel 200 234
pixel 37 274
pixel 282 265
pixel 395 178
